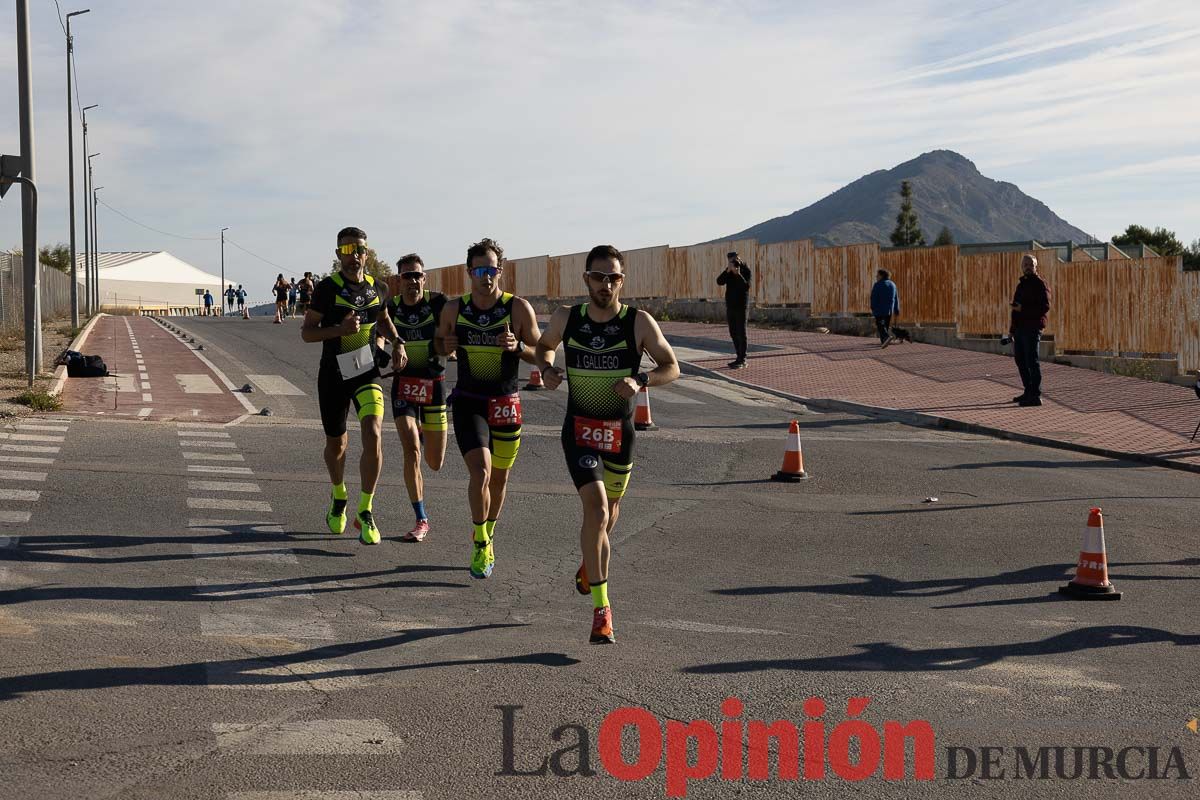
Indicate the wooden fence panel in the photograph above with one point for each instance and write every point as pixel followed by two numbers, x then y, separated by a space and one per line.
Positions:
pixel 926 282
pixel 862 265
pixel 1083 301
pixel 646 272
pixel 530 279
pixel 553 279
pixel 1189 320
pixel 829 280
pixel 571 269
pixel 984 286
pixel 785 273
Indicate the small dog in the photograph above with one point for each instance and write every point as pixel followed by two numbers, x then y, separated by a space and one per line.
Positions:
pixel 901 335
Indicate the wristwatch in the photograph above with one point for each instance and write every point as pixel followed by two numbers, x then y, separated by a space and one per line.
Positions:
pixel 642 379
pixel 520 347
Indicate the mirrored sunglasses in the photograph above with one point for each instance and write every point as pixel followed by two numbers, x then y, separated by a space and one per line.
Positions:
pixel 607 277
pixel 352 249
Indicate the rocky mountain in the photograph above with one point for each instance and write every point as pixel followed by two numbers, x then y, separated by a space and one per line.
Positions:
pixel 948 190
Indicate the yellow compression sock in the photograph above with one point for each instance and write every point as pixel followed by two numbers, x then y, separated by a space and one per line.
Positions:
pixel 339 491
pixel 489 527
pixel 481 534
pixel 364 501
pixel 600 594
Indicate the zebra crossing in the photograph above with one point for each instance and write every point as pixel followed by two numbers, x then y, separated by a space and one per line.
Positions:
pixel 19 467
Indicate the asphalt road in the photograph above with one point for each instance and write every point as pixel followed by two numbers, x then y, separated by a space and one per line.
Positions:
pixel 165 637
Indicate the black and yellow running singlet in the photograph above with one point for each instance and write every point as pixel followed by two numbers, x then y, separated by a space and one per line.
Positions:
pixel 416 325
pixel 336 298
pixel 484 367
pixel 597 355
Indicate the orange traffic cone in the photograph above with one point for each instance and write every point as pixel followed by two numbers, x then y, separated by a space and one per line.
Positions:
pixel 793 458
pixel 641 414
pixel 1091 573
pixel 535 381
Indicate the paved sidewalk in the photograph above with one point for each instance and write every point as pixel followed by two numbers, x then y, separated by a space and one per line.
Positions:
pixel 1082 409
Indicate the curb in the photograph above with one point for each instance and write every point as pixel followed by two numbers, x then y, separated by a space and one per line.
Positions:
pixel 920 420
pixel 60 372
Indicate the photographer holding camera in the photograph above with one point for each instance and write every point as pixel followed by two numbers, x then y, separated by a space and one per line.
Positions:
pixel 1030 305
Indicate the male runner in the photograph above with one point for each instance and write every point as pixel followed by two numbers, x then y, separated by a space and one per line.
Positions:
pixel 306 287
pixel 419 391
pixel 348 316
pixel 241 302
pixel 603 343
pixel 230 295
pixel 492 331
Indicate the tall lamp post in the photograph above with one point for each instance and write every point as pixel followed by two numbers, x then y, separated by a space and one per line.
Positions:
pixel 96 255
pixel 71 172
pixel 87 220
pixel 93 289
pixel 221 299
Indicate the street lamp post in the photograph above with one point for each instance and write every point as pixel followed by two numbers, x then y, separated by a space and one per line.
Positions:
pixel 71 172
pixel 96 254
pixel 221 299
pixel 93 289
pixel 33 307
pixel 87 220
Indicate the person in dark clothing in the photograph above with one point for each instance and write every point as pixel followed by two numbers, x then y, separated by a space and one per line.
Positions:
pixel 1030 305
pixel 885 303
pixel 736 280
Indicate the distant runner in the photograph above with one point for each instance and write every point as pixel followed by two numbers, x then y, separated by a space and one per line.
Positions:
pixel 604 342
pixel 348 316
pixel 293 297
pixel 230 296
pixel 280 289
pixel 241 302
pixel 305 287
pixel 492 332
pixel 418 391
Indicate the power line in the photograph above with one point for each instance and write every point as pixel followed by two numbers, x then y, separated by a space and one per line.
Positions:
pixel 60 18
pixel 256 255
pixel 156 230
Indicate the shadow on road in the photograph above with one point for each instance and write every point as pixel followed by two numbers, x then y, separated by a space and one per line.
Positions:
pixel 888 657
pixel 1044 464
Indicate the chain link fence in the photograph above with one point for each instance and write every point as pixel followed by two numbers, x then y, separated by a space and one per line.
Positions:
pixel 55 288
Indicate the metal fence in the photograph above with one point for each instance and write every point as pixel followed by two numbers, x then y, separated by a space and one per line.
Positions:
pixel 55 290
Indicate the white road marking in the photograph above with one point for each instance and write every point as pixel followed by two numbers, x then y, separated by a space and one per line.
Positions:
pixel 21 475
pixel 57 428
pixel 222 504
pixel 229 525
pixel 29 448
pixel 215 456
pixel 704 627
pixel 146 385
pixel 197 384
pixel 19 494
pixel 147 397
pixel 299 677
pixel 208 443
pixel 200 425
pixel 317 794
pixel 119 383
pixel 26 460
pixel 33 437
pixel 15 516
pixel 145 412
pixel 245 552
pixel 189 432
pixel 220 470
pixel 276 384
pixel 247 625
pixel 222 486
pixel 357 737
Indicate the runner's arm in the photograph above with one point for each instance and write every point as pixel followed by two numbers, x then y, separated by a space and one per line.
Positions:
pixel 526 328
pixel 551 338
pixel 311 330
pixel 650 340
pixel 444 340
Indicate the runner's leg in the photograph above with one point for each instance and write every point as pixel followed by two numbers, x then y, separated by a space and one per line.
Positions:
pixel 410 441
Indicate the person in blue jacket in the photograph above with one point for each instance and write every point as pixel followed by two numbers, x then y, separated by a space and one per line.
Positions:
pixel 885 304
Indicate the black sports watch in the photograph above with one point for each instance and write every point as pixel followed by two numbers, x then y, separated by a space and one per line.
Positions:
pixel 642 379
pixel 520 347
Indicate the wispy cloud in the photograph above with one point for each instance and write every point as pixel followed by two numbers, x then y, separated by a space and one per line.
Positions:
pixel 555 125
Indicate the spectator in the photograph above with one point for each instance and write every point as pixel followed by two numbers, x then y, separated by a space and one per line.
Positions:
pixel 736 280
pixel 208 303
pixel 885 304
pixel 1030 305
pixel 230 296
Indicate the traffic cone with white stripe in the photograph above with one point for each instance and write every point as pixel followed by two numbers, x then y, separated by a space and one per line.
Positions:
pixel 1091 573
pixel 535 380
pixel 793 458
pixel 641 414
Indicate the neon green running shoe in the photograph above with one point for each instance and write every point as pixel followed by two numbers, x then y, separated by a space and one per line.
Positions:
pixel 365 522
pixel 335 517
pixel 481 561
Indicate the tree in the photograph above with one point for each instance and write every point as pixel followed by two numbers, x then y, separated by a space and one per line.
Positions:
pixel 944 237
pixel 57 256
pixel 1191 257
pixel 376 267
pixel 1160 240
pixel 908 231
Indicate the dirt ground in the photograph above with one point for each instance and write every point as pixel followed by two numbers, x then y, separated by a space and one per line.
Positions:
pixel 56 336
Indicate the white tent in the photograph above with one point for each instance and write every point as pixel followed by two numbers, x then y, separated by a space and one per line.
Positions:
pixel 152 280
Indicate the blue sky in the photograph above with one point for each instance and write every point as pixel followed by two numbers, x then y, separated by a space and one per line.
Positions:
pixel 553 126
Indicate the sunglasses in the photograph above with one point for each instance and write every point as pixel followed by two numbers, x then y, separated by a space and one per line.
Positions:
pixel 489 272
pixel 607 277
pixel 352 249
pixel 415 275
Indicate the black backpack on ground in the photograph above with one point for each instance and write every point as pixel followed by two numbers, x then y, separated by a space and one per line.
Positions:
pixel 81 366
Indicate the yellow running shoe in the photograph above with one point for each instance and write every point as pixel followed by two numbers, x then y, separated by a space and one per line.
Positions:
pixel 365 522
pixel 335 517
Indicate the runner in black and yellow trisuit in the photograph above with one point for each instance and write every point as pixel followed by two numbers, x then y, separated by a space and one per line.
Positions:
pixel 603 342
pixel 419 391
pixel 348 316
pixel 492 332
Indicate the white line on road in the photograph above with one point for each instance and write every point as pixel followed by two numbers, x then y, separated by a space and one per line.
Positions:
pixel 305 676
pixel 250 626
pixel 200 425
pixel 276 384
pixel 145 412
pixel 231 525
pixel 222 486
pixel 704 627
pixel 208 443
pixel 215 456
pixel 29 448
pixel 318 794
pixel 19 494
pixel 55 428
pixel 25 460
pixel 32 437
pixel 202 434
pixel 147 397
pixel 245 552
pixel 197 384
pixel 222 504
pixel 220 470
pixel 21 475
pixel 15 516
pixel 359 737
